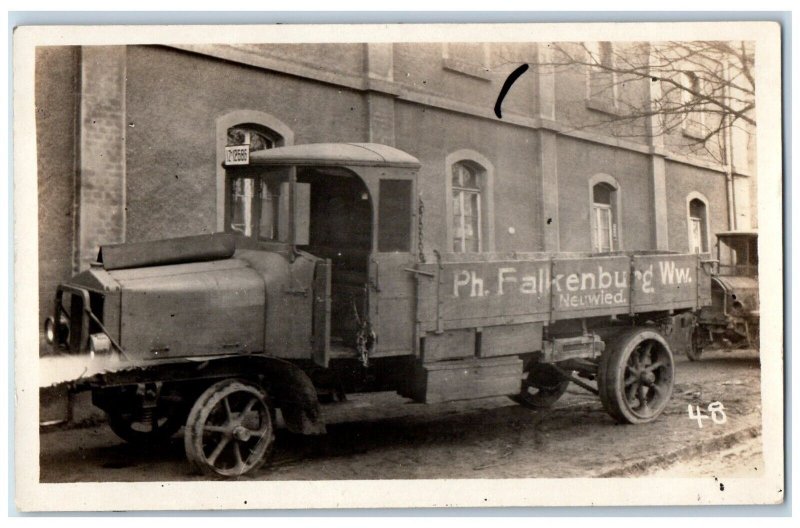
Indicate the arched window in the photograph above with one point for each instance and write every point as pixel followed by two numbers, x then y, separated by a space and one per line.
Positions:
pixel 604 196
pixel 467 221
pixel 238 194
pixel 469 203
pixel 698 225
pixel 259 138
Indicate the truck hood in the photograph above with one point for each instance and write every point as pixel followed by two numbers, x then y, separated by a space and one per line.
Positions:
pixel 191 309
pixel 742 291
pixel 735 284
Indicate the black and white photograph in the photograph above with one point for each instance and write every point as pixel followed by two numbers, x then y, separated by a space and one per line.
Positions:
pixel 402 266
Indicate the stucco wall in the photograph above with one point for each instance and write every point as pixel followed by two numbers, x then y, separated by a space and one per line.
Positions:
pixel 171 147
pixel 421 67
pixel 683 179
pixel 571 99
pixel 578 161
pixel 432 134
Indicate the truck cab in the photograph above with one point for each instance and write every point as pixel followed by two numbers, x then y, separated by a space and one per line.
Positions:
pixel 354 206
pixel 732 319
pixel 311 266
pixel 737 252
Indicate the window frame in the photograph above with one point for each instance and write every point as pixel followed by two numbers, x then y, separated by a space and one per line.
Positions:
pixel 484 171
pixel 601 102
pixel 282 207
pixel 230 212
pixel 251 128
pixel 696 223
pixel 705 222
pixel 478 69
pixel 693 122
pixel 464 191
pixel 614 206
pixel 601 209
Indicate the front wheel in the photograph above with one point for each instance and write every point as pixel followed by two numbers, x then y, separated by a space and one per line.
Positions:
pixel 636 376
pixel 695 349
pixel 229 431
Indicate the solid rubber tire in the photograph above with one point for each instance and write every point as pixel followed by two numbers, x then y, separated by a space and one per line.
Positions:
pixel 612 371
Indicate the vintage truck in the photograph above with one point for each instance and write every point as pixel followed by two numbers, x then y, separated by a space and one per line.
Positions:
pixel 732 319
pixel 321 287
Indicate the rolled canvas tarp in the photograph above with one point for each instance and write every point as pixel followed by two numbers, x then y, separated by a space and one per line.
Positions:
pixel 168 251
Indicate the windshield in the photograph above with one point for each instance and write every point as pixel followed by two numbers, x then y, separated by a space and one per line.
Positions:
pixel 738 256
pixel 259 204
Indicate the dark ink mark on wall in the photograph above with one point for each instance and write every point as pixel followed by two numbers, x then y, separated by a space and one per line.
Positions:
pixel 512 78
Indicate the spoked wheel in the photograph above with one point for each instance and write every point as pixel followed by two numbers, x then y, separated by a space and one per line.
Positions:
pixel 145 428
pixel 695 349
pixel 229 431
pixel 542 387
pixel 636 376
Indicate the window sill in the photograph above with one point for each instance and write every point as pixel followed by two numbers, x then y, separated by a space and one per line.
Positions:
pixel 693 130
pixel 605 106
pixel 467 68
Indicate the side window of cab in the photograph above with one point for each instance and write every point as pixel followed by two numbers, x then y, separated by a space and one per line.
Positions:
pixel 394 216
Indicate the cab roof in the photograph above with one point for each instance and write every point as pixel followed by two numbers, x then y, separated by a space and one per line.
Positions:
pixel 737 233
pixel 343 154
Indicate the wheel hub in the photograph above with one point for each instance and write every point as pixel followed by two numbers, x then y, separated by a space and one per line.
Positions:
pixel 647 377
pixel 241 433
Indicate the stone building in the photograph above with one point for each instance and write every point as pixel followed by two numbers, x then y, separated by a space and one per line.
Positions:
pixel 131 140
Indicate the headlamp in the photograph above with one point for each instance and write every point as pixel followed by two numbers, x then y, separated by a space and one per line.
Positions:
pixel 99 344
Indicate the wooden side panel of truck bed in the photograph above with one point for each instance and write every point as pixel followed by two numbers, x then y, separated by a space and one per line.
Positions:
pixel 465 293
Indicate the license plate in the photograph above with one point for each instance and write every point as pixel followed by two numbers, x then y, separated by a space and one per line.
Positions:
pixel 237 155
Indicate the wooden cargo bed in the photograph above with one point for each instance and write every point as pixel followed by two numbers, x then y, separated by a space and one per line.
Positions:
pixel 462 291
pixel 478 314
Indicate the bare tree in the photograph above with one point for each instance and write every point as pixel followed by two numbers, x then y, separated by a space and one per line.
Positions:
pixel 700 90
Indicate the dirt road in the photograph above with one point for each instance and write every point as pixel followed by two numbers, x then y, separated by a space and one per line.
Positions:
pixel 382 436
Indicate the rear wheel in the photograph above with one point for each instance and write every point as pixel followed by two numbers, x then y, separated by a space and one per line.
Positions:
pixel 636 376
pixel 143 414
pixel 229 431
pixel 542 387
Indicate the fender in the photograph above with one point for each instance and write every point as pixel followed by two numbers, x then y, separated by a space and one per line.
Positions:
pixel 289 387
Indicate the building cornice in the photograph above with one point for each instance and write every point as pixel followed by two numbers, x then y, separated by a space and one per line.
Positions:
pixel 369 83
